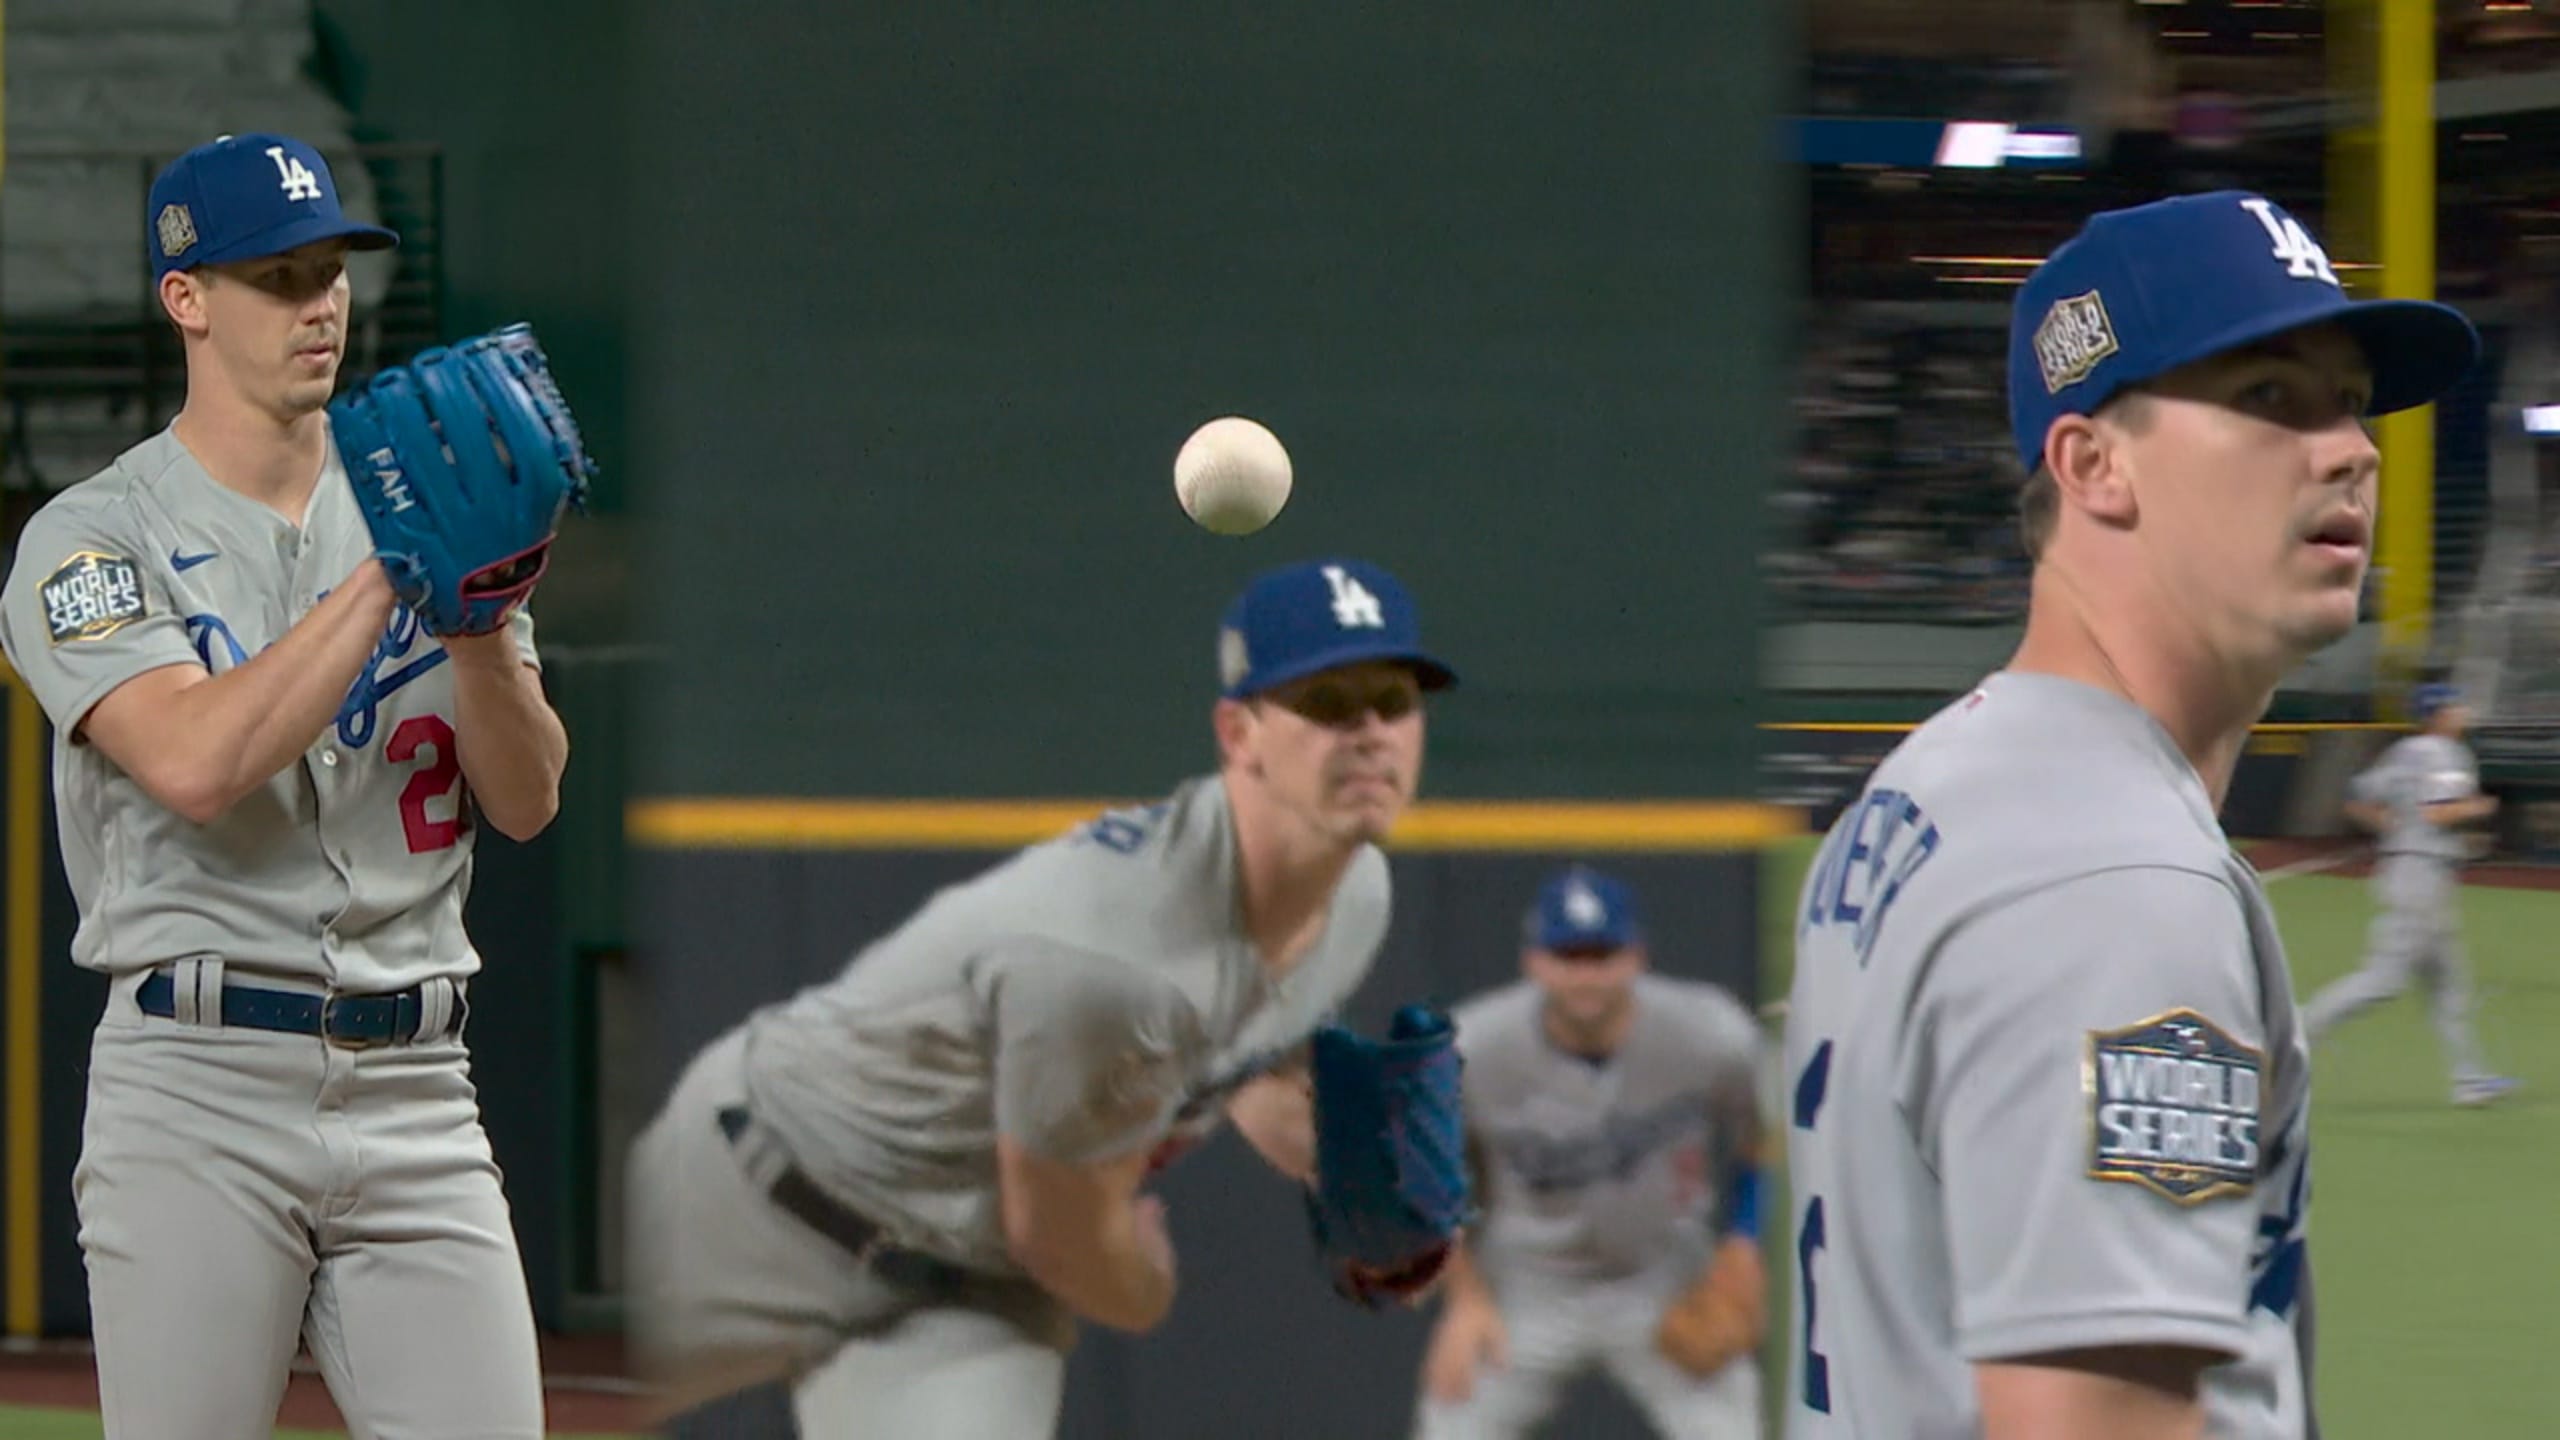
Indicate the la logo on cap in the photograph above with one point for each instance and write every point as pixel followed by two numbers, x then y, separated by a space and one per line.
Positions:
pixel 2074 337
pixel 1354 605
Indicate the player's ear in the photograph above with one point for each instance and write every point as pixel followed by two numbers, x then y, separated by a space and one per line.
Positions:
pixel 1232 722
pixel 182 300
pixel 2086 458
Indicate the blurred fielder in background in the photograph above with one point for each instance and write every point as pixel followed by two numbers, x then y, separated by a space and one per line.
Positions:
pixel 899 1189
pixel 2419 797
pixel 1615 1114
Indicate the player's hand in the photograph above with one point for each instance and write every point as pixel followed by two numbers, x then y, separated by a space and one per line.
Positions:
pixel 1470 1334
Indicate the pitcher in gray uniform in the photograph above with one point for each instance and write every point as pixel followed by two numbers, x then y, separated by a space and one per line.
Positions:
pixel 901 1188
pixel 2047 1091
pixel 269 786
pixel 2420 795
pixel 1615 1116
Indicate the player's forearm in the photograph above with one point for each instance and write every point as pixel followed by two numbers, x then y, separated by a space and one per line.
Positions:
pixel 2129 1393
pixel 1461 1282
pixel 2460 812
pixel 223 737
pixel 512 744
pixel 1108 1278
pixel 1277 1116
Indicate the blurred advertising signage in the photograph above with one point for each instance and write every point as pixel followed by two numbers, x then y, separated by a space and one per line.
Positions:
pixel 1933 144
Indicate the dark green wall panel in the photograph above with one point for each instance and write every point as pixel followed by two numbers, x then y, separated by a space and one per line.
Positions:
pixel 934 299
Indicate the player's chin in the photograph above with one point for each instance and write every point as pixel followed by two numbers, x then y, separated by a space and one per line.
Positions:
pixel 2324 618
pixel 304 394
pixel 1369 814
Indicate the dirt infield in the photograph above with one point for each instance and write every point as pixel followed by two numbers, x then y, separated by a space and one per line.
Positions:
pixel 2355 858
pixel 585 1379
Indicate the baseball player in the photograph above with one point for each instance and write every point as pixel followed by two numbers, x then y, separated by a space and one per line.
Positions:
pixel 901 1188
pixel 1614 1112
pixel 269 784
pixel 2418 796
pixel 2046 1086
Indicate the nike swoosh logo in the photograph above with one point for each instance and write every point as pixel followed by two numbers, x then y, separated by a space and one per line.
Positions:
pixel 189 562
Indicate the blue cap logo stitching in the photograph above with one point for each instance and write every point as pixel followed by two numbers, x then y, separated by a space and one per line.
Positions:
pixel 299 183
pixel 2302 256
pixel 2074 337
pixel 1584 908
pixel 1353 604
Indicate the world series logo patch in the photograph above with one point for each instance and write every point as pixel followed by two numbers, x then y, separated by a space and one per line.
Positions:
pixel 90 595
pixel 2173 1107
pixel 2075 336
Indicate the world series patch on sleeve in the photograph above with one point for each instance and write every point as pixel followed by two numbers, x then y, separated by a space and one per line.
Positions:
pixel 2173 1107
pixel 90 595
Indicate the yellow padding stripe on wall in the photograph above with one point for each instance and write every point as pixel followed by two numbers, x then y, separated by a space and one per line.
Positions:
pixel 690 823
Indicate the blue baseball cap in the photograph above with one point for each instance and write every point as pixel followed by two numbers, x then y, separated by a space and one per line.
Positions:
pixel 1296 620
pixel 1581 909
pixel 2139 292
pixel 2431 698
pixel 243 196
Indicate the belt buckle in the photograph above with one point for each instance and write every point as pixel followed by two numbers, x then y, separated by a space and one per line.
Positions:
pixel 329 1034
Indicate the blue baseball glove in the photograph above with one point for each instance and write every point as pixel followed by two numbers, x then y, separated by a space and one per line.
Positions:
pixel 464 460
pixel 1391 1191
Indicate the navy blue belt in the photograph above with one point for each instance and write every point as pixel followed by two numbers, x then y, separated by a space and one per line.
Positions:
pixel 859 1235
pixel 349 1022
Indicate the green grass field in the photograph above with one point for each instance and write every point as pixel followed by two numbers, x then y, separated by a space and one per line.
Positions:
pixel 2434 1280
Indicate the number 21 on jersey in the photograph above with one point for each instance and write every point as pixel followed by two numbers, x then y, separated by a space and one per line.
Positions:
pixel 428 739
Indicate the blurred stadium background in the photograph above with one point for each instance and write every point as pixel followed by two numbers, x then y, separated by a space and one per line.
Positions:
pixel 886 326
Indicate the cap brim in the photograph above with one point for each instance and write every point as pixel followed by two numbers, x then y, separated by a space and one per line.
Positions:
pixel 1568 941
pixel 298 233
pixel 2417 349
pixel 1426 668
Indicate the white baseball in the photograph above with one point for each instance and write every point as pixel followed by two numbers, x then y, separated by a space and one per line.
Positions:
pixel 1231 476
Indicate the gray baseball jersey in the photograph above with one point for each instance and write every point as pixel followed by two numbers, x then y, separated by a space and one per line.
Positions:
pixel 1090 995
pixel 2414 773
pixel 1598 1169
pixel 349 868
pixel 2047 1087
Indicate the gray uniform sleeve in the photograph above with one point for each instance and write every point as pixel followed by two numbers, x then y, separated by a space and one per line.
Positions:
pixel 85 609
pixel 2381 783
pixel 2082 1075
pixel 1091 1053
pixel 1727 1032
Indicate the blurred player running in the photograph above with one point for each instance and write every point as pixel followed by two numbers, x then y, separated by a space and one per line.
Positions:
pixel 2419 796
